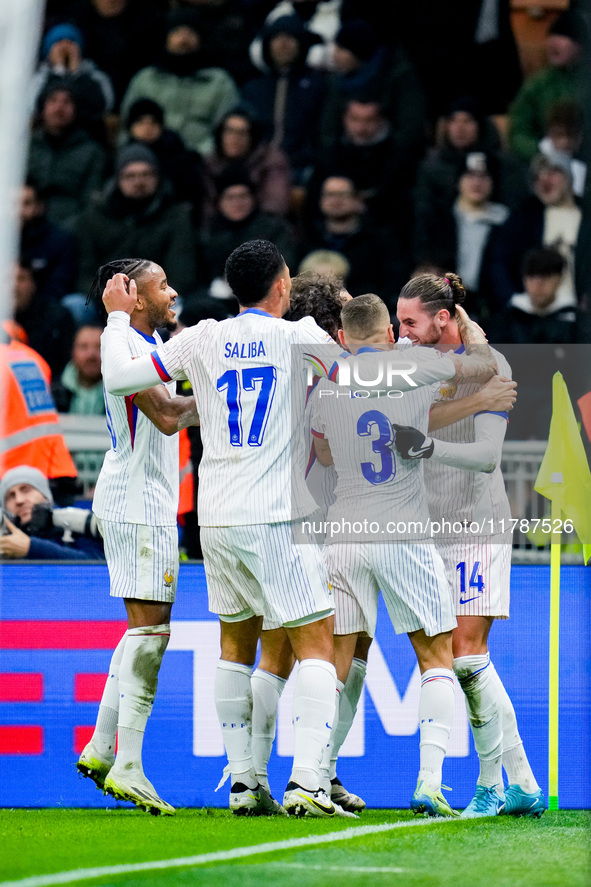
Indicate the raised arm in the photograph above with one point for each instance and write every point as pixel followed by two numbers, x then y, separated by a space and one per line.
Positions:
pixel 478 363
pixel 497 396
pixel 121 373
pixel 483 454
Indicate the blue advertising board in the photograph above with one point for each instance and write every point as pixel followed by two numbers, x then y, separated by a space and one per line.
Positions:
pixel 58 627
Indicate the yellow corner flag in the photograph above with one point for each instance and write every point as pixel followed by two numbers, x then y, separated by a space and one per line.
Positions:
pixel 564 476
pixel 565 479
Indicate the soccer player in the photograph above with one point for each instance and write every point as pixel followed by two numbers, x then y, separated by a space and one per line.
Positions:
pixel 240 370
pixel 135 502
pixel 375 490
pixel 321 297
pixel 478 568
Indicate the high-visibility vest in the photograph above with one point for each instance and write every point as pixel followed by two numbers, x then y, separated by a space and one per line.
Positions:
pixel 29 422
pixel 186 487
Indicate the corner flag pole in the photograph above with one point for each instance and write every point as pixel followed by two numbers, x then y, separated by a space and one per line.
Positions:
pixel 554 650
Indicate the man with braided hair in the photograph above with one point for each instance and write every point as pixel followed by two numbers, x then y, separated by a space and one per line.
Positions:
pixel 477 566
pixel 135 502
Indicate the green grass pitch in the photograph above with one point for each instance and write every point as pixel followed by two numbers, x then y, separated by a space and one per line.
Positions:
pixel 553 851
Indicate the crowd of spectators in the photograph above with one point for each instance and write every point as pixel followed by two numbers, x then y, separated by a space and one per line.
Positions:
pixel 180 128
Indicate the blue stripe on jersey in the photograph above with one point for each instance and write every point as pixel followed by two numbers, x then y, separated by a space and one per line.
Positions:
pixel 502 413
pixel 160 369
pixel 460 350
pixel 315 381
pixel 145 336
pixel 367 348
pixel 255 311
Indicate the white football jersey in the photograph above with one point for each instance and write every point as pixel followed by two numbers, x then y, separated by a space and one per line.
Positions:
pixel 320 479
pixel 139 480
pixel 373 483
pixel 453 493
pixel 251 406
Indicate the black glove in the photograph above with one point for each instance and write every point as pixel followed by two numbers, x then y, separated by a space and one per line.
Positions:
pixel 411 443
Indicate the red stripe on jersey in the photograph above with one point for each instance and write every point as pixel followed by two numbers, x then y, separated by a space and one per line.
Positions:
pixel 131 417
pixel 160 367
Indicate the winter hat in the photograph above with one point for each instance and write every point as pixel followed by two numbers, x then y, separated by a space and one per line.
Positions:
pixel 144 108
pixel 136 152
pixel 359 38
pixel 184 18
pixel 292 25
pixel 235 174
pixel 480 162
pixel 24 474
pixel 65 31
pixel 551 160
pixel 468 105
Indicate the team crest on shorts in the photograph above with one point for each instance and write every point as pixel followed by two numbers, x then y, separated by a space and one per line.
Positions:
pixel 168 579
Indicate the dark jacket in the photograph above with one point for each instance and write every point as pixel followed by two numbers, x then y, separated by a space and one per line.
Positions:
pixel 221 237
pixel 377 262
pixel 49 542
pixel 508 245
pixel 50 330
pixel 53 255
pixel 183 168
pixel 304 101
pixel 381 172
pixel 69 169
pixel 162 230
pixel 391 77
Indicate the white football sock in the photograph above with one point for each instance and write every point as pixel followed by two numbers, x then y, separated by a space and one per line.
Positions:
pixel 233 702
pixel 324 772
pixel 266 693
pixel 484 713
pixel 348 703
pixel 105 731
pixel 138 680
pixel 515 759
pixel 436 711
pixel 313 713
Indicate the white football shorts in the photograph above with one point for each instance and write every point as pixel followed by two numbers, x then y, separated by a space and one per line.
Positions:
pixel 256 570
pixel 143 561
pixel 410 576
pixel 479 575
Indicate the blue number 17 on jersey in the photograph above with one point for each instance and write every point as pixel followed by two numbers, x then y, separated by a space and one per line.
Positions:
pixel 230 382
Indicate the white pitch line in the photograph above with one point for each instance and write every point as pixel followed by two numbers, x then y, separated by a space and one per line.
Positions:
pixel 362 869
pixel 89 874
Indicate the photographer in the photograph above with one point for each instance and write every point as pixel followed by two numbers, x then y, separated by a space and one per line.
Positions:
pixel 32 528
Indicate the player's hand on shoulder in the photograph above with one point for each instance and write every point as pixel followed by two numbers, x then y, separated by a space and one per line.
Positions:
pixel 470 332
pixel 499 394
pixel 120 294
pixel 411 443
